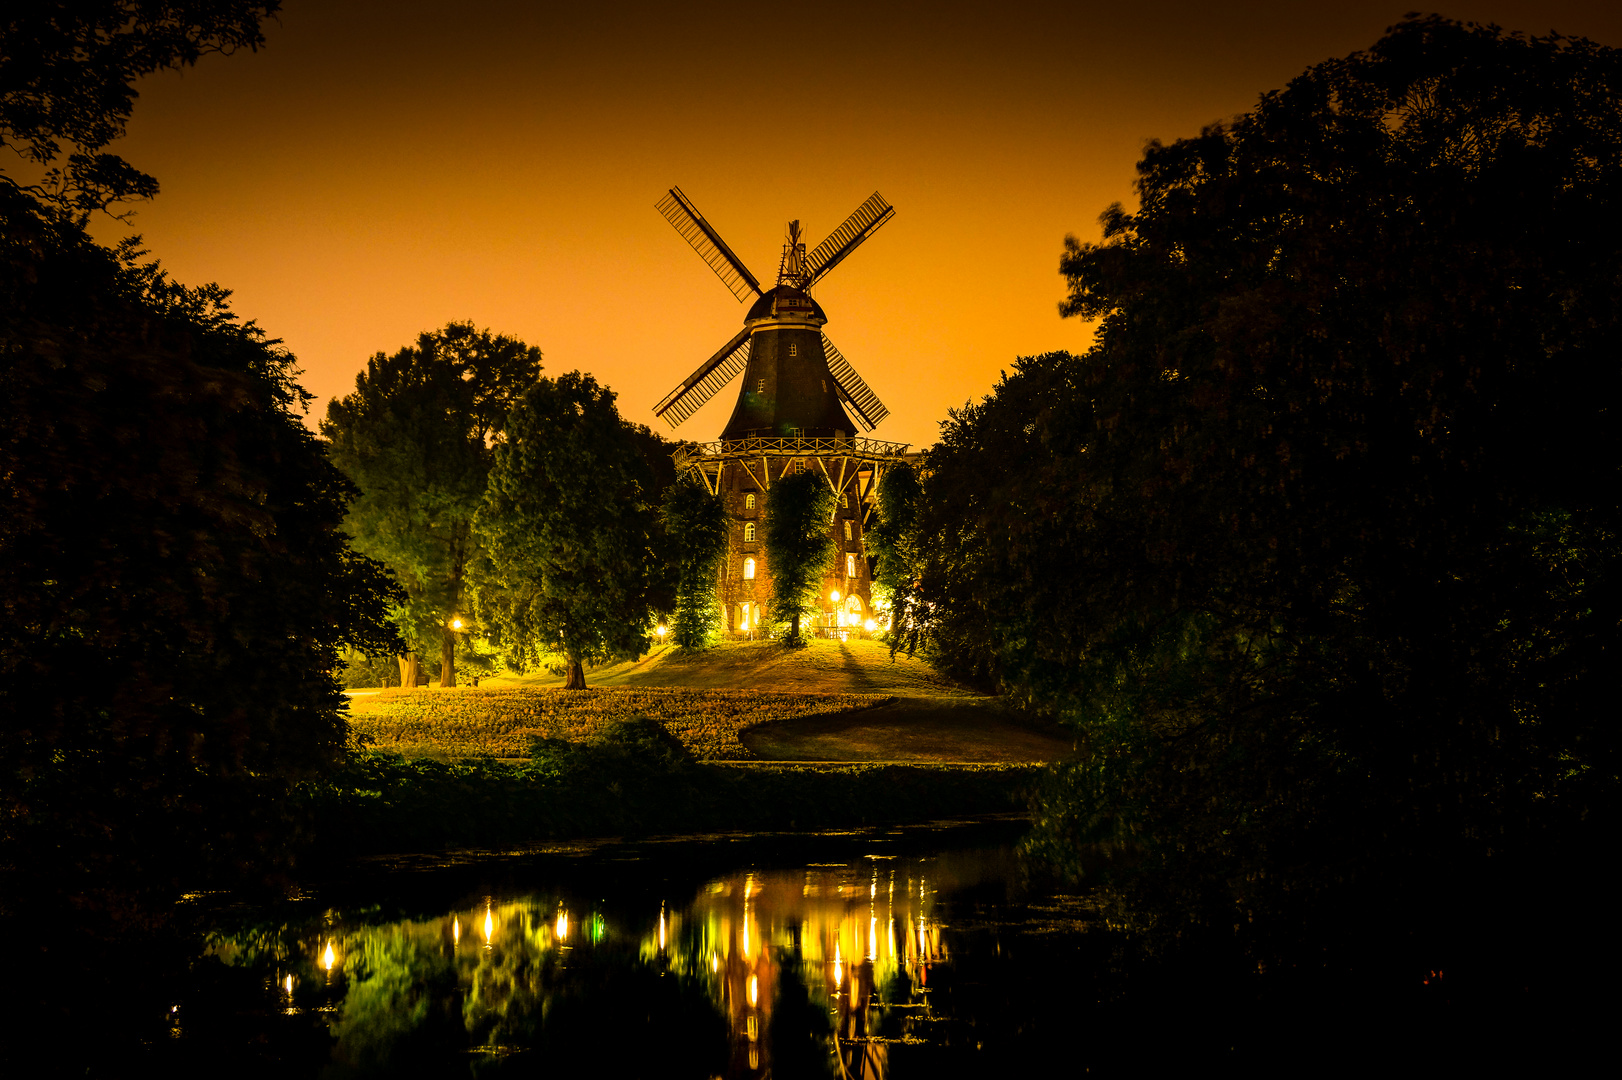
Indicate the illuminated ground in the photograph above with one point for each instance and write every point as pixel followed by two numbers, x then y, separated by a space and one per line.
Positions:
pixel 933 718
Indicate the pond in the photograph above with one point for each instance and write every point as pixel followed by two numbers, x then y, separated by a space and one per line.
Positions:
pixel 921 951
pixel 859 954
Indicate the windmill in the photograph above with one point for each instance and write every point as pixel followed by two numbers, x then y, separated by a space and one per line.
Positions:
pixel 791 411
pixel 795 380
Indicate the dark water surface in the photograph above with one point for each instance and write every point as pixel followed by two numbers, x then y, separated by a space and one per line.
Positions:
pixel 907 952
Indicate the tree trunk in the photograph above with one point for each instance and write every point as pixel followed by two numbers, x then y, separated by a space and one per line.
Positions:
pixel 408 670
pixel 447 657
pixel 577 675
pixel 794 629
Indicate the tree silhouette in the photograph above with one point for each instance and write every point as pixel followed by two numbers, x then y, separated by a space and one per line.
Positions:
pixel 67 69
pixel 1317 546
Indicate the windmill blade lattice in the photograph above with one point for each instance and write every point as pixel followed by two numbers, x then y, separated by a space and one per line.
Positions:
pixel 848 237
pixel 703 384
pixel 869 410
pixel 685 218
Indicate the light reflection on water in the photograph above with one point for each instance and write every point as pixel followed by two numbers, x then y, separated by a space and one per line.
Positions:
pixel 849 949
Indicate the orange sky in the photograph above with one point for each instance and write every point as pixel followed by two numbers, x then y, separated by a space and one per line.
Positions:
pixel 383 168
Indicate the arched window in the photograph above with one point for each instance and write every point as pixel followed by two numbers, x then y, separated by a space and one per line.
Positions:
pixel 749 501
pixel 847 528
pixel 749 532
pixel 847 500
pixel 749 569
pixel 853 604
pixel 850 566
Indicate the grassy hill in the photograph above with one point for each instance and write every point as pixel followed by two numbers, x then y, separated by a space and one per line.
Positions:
pixel 748 700
pixel 824 667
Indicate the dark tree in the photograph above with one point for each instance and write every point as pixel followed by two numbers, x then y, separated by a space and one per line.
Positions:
pixel 799 545
pixel 893 539
pixel 416 438
pixel 695 528
pixel 175 586
pixel 67 69
pixel 1317 547
pixel 570 532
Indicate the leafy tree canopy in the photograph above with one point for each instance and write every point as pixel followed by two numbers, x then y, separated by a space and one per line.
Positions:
pixel 893 539
pixel 67 69
pixel 695 528
pixel 570 531
pixel 416 437
pixel 1317 546
pixel 800 546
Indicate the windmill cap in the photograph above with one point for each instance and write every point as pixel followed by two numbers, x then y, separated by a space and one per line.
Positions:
pixel 783 301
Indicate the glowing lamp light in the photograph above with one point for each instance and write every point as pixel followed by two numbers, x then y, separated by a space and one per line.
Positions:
pixel 834 596
pixel 456 624
pixel 870 625
pixel 662 631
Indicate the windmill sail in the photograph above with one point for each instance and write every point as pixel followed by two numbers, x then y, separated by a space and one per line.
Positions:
pixel 848 237
pixel 852 390
pixel 702 384
pixel 686 219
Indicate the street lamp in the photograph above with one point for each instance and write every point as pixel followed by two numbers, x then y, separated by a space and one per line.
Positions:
pixel 661 633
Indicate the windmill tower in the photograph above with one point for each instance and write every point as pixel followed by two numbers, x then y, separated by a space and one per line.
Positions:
pixel 795 412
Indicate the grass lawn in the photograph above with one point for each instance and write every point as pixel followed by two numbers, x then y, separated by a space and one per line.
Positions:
pixel 744 700
pixel 501 721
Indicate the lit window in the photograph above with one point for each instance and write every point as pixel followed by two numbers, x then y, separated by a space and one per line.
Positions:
pixel 749 536
pixel 847 500
pixel 749 501
pixel 850 565
pixel 793 349
pixel 847 528
pixel 749 569
pixel 760 386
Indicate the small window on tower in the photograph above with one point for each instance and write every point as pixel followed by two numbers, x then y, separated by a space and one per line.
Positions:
pixel 749 532
pixel 749 501
pixel 850 565
pixel 847 500
pixel 760 386
pixel 847 528
pixel 793 349
pixel 749 569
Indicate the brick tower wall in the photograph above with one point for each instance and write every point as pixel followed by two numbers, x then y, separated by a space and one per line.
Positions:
pixel 744 600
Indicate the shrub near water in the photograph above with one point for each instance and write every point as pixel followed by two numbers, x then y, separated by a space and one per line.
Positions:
pixel 504 722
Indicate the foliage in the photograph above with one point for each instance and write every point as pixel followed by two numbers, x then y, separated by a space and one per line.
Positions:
pixel 385 803
pixel 572 564
pixel 893 539
pixel 695 526
pixel 174 585
pixel 799 545
pixel 67 74
pixel 415 437
pixel 1318 545
pixel 501 722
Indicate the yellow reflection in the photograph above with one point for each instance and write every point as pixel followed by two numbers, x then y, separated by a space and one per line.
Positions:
pixel 754 990
pixel 456 930
pixel 489 925
pixel 328 958
pixel 751 1028
pixel 715 962
pixel 562 927
pixel 872 937
pixel 661 927
pixel 839 968
pixel 289 984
